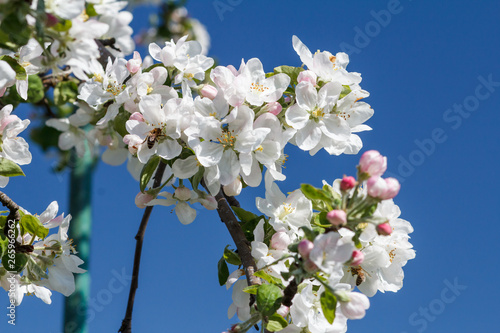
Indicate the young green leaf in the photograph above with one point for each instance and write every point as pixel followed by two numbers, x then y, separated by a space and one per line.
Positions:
pixel 16 264
pixel 231 257
pixel 9 168
pixel 269 299
pixel 223 271
pixel 251 289
pixel 276 323
pixel 328 305
pixel 31 224
pixel 148 171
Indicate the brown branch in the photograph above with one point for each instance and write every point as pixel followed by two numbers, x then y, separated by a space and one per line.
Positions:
pixel 227 216
pixel 13 208
pixel 104 53
pixel 126 326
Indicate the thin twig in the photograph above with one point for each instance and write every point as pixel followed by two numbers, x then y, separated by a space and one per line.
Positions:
pixel 127 321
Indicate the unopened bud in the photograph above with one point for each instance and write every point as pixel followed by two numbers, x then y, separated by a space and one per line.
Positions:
pixel 336 217
pixel 373 163
pixel 310 266
pixel 183 193
pixel 273 107
pixel 384 229
pixel 283 311
pixel 142 199
pixel 51 20
pixel 134 64
pixel 280 240
pixel 307 76
pixel 305 247
pixel 347 183
pixel 209 202
pixel 137 116
pixel 392 189
pixel 357 258
pixel 234 188
pixel 208 91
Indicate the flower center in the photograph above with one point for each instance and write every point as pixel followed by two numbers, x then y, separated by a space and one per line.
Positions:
pixel 227 138
pixel 286 209
pixel 317 114
pixel 258 88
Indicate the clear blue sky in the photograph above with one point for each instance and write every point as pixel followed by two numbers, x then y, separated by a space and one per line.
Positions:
pixel 429 61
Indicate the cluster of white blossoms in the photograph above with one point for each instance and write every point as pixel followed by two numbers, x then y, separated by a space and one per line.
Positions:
pixel 31 261
pixel 42 262
pixel 73 27
pixel 224 131
pixel 320 244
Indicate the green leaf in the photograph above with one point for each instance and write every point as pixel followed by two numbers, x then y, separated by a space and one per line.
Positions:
pixel 269 278
pixel 223 271
pixel 35 89
pixel 65 92
pixel 243 215
pixel 310 234
pixel 269 299
pixel 15 264
pixel 314 193
pixel 90 10
pixel 346 90
pixel 231 257
pixel 31 224
pixel 4 242
pixel 36 272
pixel 198 176
pixel 321 221
pixel 9 168
pixel 15 26
pixel 292 72
pixel 276 323
pixel 63 25
pixel 328 305
pixel 251 289
pixel 119 123
pixel 20 71
pixel 148 171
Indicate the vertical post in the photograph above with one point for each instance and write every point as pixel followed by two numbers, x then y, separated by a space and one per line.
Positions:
pixel 75 309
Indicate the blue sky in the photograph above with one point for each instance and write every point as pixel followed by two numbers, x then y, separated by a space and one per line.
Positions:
pixel 433 73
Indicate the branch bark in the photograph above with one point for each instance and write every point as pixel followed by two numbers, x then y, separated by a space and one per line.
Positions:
pixel 126 326
pixel 13 208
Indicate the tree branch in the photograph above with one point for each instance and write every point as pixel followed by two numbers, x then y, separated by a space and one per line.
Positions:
pixel 126 326
pixel 227 216
pixel 13 208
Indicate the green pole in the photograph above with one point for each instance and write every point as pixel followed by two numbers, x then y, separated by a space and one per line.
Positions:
pixel 75 309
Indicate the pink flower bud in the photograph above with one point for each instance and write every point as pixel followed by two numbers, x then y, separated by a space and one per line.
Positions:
pixel 141 199
pixel 2 91
pixel 134 64
pixel 137 116
pixel 209 203
pixel 310 266
pixel 283 311
pixel 376 186
pixel 347 183
pixel 373 163
pixel 392 190
pixel 273 107
pixel 51 20
pixel 234 188
pixel 307 76
pixel 357 258
pixel 336 217
pixel 280 240
pixel 287 99
pixel 305 247
pixel 384 229
pixel 183 193
pixel 208 91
